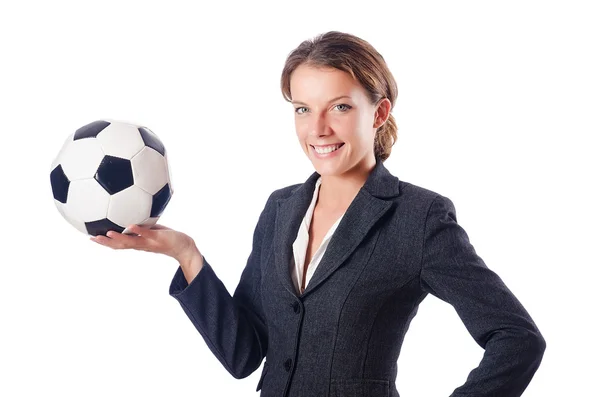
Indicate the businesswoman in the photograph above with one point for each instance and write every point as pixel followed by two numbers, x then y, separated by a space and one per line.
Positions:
pixel 340 263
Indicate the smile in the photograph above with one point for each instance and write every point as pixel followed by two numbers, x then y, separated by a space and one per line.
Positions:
pixel 327 151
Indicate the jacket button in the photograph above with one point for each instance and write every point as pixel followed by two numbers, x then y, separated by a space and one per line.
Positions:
pixel 288 364
pixel 296 307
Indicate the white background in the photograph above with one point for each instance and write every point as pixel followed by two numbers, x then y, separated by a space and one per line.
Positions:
pixel 498 109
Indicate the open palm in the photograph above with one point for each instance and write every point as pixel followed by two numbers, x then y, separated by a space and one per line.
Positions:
pixel 157 238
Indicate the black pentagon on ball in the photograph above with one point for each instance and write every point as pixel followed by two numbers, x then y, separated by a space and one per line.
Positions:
pixel 114 174
pixel 90 130
pixel 60 184
pixel 160 201
pixel 102 226
pixel 151 140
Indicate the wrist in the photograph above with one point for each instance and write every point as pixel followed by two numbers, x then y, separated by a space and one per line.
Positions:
pixel 191 263
pixel 190 257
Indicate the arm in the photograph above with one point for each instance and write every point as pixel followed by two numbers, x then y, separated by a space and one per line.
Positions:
pixel 452 271
pixel 233 327
pixel 191 264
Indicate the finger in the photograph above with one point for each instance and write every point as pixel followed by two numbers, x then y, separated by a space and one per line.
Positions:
pixel 143 231
pixel 125 240
pixel 116 240
pixel 159 227
pixel 103 240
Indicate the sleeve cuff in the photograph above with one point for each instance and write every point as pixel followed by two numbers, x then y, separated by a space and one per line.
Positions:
pixel 179 284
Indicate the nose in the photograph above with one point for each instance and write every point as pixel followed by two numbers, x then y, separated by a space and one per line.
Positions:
pixel 319 126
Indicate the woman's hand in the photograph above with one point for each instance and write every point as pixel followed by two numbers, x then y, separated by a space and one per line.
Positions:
pixel 158 238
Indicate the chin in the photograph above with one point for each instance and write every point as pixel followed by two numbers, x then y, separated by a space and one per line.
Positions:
pixel 327 169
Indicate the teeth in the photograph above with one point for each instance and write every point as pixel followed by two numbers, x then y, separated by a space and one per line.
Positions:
pixel 327 149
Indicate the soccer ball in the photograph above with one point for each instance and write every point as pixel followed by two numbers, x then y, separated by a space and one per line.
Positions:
pixel 109 175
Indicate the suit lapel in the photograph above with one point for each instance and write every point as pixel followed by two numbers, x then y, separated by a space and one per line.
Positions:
pixel 365 210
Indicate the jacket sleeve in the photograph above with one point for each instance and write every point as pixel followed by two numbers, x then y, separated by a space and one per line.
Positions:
pixel 233 327
pixel 452 271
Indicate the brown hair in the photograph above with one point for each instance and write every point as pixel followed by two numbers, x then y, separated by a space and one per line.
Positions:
pixel 357 57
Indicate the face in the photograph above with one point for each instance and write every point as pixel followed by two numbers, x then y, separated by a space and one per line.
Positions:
pixel 331 108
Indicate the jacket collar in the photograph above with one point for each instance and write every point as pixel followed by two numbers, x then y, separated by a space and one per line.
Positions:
pixel 380 183
pixel 364 211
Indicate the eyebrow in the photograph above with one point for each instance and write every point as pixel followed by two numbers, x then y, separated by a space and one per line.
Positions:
pixel 331 100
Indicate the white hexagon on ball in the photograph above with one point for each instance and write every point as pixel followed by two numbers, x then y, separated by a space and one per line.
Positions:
pixel 87 200
pixel 80 159
pixel 130 206
pixel 121 140
pixel 149 170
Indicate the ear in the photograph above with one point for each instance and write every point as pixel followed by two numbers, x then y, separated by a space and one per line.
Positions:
pixel 382 112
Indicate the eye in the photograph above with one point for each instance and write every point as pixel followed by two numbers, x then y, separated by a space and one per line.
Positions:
pixel 348 107
pixel 301 107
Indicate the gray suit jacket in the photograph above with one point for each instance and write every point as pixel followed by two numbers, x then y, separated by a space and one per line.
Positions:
pixel 342 336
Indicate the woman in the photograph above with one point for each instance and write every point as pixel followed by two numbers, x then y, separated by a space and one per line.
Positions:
pixel 340 263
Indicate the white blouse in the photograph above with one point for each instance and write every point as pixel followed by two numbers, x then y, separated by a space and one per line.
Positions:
pixel 300 245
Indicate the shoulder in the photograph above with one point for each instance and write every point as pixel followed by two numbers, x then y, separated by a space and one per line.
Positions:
pixel 412 191
pixel 432 201
pixel 425 199
pixel 430 204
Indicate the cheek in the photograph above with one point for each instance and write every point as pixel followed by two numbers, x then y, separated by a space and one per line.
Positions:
pixel 350 129
pixel 301 134
pixel 300 125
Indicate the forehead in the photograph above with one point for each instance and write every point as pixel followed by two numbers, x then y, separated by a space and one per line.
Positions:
pixel 311 84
